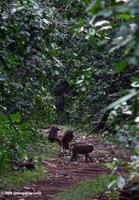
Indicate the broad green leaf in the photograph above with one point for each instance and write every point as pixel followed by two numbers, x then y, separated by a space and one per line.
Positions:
pixel 124 16
pixel 122 99
pixel 120 66
pixel 135 84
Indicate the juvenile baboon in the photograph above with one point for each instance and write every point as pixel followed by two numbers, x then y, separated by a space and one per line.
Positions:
pixel 23 165
pixel 81 149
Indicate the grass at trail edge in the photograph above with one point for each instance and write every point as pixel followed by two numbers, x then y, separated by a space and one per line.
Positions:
pixel 86 189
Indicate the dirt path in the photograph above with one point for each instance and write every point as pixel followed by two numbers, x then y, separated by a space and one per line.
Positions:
pixel 63 174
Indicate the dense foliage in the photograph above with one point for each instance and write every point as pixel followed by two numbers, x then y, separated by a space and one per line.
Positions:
pixel 25 47
pixel 116 23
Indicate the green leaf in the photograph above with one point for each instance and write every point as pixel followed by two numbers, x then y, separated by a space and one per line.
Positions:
pixel 124 16
pixel 94 7
pixel 120 66
pixel 112 184
pixel 122 99
pixel 15 117
pixel 135 84
pixel 136 151
pixel 4 119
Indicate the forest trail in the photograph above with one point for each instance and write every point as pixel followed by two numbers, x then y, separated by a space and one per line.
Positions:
pixel 63 174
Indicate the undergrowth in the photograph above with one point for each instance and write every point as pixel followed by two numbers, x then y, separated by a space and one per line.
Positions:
pixel 15 179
